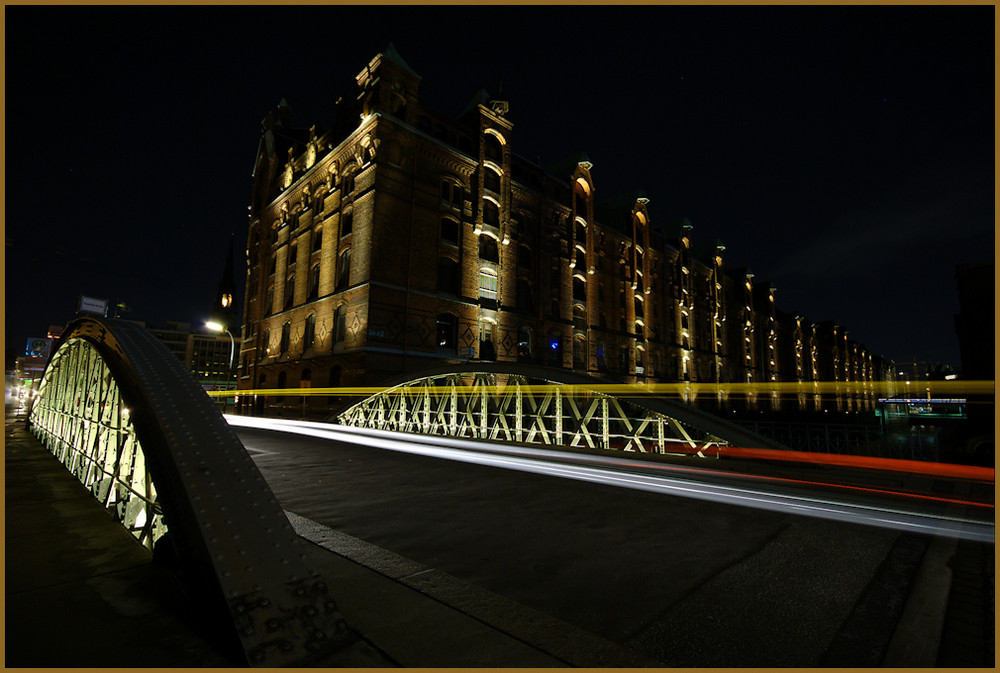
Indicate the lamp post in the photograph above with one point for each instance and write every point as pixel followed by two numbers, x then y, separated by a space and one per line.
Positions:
pixel 218 327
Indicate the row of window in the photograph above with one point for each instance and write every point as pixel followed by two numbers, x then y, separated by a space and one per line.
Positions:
pixel 343 281
pixel 309 335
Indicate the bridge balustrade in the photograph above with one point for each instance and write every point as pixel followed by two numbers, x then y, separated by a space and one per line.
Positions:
pixel 121 412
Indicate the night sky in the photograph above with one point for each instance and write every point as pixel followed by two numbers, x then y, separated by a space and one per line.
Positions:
pixel 845 154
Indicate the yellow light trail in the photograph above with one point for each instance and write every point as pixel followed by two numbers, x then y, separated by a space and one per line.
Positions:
pixel 912 390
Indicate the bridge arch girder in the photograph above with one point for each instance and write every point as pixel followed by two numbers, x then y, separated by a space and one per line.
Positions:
pixel 125 416
pixel 543 405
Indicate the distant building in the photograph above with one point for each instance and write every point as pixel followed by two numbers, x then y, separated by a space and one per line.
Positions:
pixel 398 239
pixel 204 353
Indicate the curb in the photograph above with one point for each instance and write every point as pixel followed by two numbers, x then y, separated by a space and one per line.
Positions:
pixel 558 639
pixel 918 634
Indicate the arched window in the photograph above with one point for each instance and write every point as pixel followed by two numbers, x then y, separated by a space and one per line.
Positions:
pixel 293 254
pixel 554 348
pixel 283 380
pixel 487 349
pixel 525 299
pixel 269 300
pixel 449 230
pixel 491 214
pixel 339 324
pixel 286 337
pixel 579 353
pixel 310 335
pixel 579 290
pixel 581 262
pixel 317 239
pixel 347 223
pixel 447 333
pixel 314 282
pixel 289 291
pixel 488 249
pixel 451 193
pixel 487 284
pixel 579 317
pixel 347 185
pixel 523 344
pixel 447 275
pixel 639 313
pixel 273 266
pixel 491 180
pixel 493 149
pixel 523 257
pixel 344 270
pixel 265 344
pixel 335 376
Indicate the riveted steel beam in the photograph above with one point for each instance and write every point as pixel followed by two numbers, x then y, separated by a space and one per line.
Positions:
pixel 125 416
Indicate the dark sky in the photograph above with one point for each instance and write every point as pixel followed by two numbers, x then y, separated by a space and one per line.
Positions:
pixel 846 154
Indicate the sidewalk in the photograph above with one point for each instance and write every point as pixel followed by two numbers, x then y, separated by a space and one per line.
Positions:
pixel 81 593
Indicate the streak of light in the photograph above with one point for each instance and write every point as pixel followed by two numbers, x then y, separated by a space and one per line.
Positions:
pixel 977 473
pixel 530 461
pixel 953 390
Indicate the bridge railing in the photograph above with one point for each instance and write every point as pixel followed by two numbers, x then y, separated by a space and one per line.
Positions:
pixel 80 417
pixel 123 414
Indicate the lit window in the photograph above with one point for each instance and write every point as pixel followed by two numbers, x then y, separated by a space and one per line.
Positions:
pixel 487 284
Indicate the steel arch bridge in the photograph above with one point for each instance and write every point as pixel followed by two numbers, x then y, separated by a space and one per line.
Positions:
pixel 126 418
pixel 541 405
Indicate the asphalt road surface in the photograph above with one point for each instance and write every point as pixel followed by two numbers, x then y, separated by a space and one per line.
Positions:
pixel 683 581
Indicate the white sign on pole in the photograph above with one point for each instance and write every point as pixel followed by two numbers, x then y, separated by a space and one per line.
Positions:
pixel 92 305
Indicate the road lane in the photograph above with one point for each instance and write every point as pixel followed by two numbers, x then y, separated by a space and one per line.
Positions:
pixel 617 562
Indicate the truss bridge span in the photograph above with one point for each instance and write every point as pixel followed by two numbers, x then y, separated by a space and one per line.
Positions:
pixel 548 406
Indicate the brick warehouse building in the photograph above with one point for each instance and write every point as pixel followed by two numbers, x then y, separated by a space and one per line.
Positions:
pixel 399 239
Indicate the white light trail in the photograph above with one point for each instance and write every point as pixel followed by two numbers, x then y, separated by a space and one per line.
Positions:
pixel 540 461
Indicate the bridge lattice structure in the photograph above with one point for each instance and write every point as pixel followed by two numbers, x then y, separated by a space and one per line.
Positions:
pixel 121 412
pixel 538 405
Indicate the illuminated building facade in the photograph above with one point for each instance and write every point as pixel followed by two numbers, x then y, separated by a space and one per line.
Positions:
pixel 399 239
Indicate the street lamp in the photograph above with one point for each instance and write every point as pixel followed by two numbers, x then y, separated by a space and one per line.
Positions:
pixel 218 327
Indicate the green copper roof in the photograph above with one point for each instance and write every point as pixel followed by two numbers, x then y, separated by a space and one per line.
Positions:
pixel 564 168
pixel 393 55
pixel 616 212
pixel 481 97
